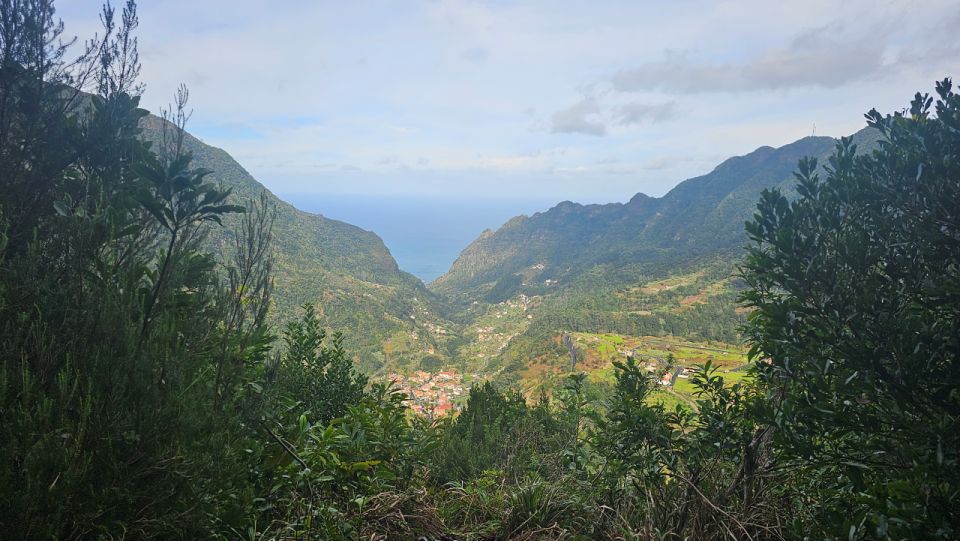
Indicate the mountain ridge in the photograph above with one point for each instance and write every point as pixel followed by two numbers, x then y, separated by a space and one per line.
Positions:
pixel 346 271
pixel 651 266
pixel 703 213
pixel 572 255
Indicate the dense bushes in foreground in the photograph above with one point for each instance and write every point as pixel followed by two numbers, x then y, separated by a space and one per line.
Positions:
pixel 143 395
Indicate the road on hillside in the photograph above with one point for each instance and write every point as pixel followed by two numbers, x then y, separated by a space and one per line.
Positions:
pixel 691 346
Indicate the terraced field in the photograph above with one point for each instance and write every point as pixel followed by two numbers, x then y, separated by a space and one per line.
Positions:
pixel 655 353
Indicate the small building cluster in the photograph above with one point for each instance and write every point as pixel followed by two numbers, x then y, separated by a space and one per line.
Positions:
pixel 669 377
pixel 437 330
pixel 431 394
pixel 490 338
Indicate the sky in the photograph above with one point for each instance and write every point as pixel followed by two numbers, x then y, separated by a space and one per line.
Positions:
pixel 590 101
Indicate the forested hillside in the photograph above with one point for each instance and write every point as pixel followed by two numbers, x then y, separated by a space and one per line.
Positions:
pixel 651 266
pixel 700 218
pixel 345 271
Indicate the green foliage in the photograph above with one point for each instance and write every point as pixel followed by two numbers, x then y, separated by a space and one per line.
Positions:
pixel 127 387
pixel 324 475
pixel 321 377
pixel 634 431
pixel 431 363
pixel 856 289
pixel 505 288
pixel 107 395
pixel 687 472
pixel 495 430
pixel 141 394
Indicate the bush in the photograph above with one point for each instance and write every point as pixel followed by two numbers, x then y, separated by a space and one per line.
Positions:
pixel 856 286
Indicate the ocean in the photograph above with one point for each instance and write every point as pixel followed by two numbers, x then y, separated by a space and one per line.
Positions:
pixel 424 234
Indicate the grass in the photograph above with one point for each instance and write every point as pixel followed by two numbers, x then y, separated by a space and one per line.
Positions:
pixel 600 350
pixel 670 399
pixel 659 286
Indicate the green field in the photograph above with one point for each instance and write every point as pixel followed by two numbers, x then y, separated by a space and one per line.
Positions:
pixel 600 350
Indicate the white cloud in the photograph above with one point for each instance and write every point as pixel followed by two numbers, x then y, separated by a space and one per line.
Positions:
pixel 581 117
pixel 638 113
pixel 815 57
pixel 471 93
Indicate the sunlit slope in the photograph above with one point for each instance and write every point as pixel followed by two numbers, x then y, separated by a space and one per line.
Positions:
pixel 651 266
pixel 700 216
pixel 346 271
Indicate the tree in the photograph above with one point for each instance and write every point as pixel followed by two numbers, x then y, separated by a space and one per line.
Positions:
pixel 320 377
pixel 431 363
pixel 856 290
pixel 114 418
pixel 39 93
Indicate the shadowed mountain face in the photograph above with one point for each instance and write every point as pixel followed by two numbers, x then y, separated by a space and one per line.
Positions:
pixel 701 217
pixel 346 271
pixel 650 266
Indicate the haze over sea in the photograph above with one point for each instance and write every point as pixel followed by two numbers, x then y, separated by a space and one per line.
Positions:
pixel 424 234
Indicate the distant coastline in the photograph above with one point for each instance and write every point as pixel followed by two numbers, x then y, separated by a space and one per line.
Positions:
pixel 424 234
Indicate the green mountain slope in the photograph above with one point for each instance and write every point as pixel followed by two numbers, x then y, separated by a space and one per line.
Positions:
pixel 346 271
pixel 700 216
pixel 649 266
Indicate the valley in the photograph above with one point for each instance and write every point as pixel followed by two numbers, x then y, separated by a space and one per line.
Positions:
pixel 652 267
pixel 766 350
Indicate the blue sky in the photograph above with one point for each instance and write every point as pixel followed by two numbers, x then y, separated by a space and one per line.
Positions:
pixel 590 101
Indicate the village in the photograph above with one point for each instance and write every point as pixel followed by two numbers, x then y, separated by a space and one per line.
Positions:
pixel 432 394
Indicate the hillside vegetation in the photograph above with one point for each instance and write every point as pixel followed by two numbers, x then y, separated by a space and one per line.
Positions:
pixel 146 392
pixel 346 271
pixel 699 218
pixel 652 266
